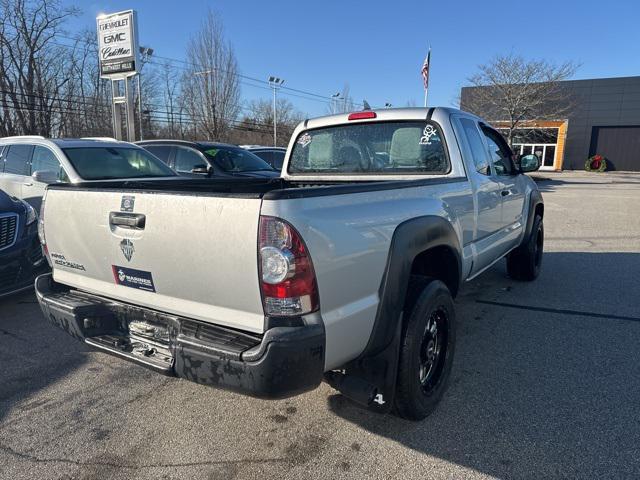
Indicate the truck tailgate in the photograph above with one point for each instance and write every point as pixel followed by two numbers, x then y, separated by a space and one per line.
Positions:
pixel 193 255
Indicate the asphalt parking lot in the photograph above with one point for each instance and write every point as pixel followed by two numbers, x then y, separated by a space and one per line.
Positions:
pixel 546 383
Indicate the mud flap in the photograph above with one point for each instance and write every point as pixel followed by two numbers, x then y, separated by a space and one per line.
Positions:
pixel 381 371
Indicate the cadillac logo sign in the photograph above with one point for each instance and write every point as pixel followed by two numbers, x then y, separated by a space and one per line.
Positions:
pixel 126 246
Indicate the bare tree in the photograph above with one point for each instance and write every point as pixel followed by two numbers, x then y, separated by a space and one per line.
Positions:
pixel 512 89
pixel 33 68
pixel 210 86
pixel 169 81
pixel 84 107
pixel 256 126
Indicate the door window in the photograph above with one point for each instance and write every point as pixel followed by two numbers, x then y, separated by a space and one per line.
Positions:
pixel 44 160
pixel 188 159
pixel 499 152
pixel 478 152
pixel 278 159
pixel 265 155
pixel 163 152
pixel 16 160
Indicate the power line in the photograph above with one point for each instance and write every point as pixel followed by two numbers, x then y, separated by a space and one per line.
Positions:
pixel 60 108
pixel 325 98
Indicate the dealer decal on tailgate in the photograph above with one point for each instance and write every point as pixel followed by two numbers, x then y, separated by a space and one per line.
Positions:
pixel 130 277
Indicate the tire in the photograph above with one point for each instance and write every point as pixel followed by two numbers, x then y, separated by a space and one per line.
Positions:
pixel 524 262
pixel 426 355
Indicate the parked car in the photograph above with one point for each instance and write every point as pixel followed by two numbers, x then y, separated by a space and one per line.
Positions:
pixel 21 258
pixel 209 159
pixel 29 163
pixel 274 156
pixel 345 269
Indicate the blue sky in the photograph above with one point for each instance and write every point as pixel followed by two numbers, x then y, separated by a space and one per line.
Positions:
pixel 377 47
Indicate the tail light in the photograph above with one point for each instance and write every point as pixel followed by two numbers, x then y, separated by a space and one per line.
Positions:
pixel 287 278
pixel 43 240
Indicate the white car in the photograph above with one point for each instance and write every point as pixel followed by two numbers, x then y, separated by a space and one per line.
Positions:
pixel 29 163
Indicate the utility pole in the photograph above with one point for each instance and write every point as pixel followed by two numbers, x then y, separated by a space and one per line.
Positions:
pixel 275 83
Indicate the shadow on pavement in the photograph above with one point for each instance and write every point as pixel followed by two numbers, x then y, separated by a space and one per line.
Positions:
pixel 538 394
pixel 551 183
pixel 33 354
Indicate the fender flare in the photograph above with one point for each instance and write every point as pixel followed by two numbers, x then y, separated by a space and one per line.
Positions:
pixel 535 199
pixel 410 238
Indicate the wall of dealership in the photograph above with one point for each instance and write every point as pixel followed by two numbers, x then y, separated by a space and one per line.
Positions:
pixel 603 118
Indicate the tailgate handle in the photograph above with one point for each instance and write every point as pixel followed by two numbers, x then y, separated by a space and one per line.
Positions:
pixel 128 220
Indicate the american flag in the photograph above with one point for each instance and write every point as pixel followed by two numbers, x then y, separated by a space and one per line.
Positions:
pixel 425 69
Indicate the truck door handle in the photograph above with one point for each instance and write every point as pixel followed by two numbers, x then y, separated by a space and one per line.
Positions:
pixel 136 221
pixel 28 184
pixel 505 193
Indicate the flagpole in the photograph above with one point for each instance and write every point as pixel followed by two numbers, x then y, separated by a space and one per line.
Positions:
pixel 426 88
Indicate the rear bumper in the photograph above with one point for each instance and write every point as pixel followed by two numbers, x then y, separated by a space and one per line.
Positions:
pixel 283 362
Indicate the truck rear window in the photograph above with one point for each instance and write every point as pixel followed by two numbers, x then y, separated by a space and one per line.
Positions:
pixel 398 148
pixel 104 163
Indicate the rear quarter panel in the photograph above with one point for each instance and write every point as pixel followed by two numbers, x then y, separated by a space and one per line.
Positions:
pixel 348 237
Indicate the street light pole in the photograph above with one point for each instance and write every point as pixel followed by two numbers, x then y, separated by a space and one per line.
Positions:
pixel 334 102
pixel 275 83
pixel 140 106
pixel 146 52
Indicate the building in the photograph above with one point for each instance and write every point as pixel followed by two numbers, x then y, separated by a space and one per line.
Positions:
pixel 603 118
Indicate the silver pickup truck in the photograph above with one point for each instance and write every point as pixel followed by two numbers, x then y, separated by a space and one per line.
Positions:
pixel 343 270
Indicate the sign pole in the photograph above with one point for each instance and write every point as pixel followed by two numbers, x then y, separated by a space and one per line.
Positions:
pixel 115 109
pixel 129 108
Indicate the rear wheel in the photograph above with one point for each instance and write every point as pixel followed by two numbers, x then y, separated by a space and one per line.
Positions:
pixel 524 262
pixel 427 348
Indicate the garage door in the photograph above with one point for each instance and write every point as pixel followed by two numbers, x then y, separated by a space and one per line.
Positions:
pixel 619 145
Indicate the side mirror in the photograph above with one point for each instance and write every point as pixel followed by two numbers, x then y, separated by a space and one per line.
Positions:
pixel 529 163
pixel 201 169
pixel 44 176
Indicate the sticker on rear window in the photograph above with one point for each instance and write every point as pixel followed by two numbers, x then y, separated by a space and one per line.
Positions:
pixel 132 278
pixel 427 133
pixel 212 152
pixel 304 139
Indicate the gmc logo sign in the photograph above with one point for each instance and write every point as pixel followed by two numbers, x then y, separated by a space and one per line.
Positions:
pixel 118 37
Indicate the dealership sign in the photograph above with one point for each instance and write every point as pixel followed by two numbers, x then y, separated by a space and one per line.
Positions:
pixel 118 44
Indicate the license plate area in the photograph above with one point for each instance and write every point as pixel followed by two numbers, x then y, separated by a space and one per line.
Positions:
pixel 155 355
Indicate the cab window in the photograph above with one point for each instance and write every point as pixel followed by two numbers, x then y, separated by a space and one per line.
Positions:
pixel 499 152
pixel 405 148
pixel 478 152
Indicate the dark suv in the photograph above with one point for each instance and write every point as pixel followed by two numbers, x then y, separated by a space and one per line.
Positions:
pixel 209 159
pixel 21 258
